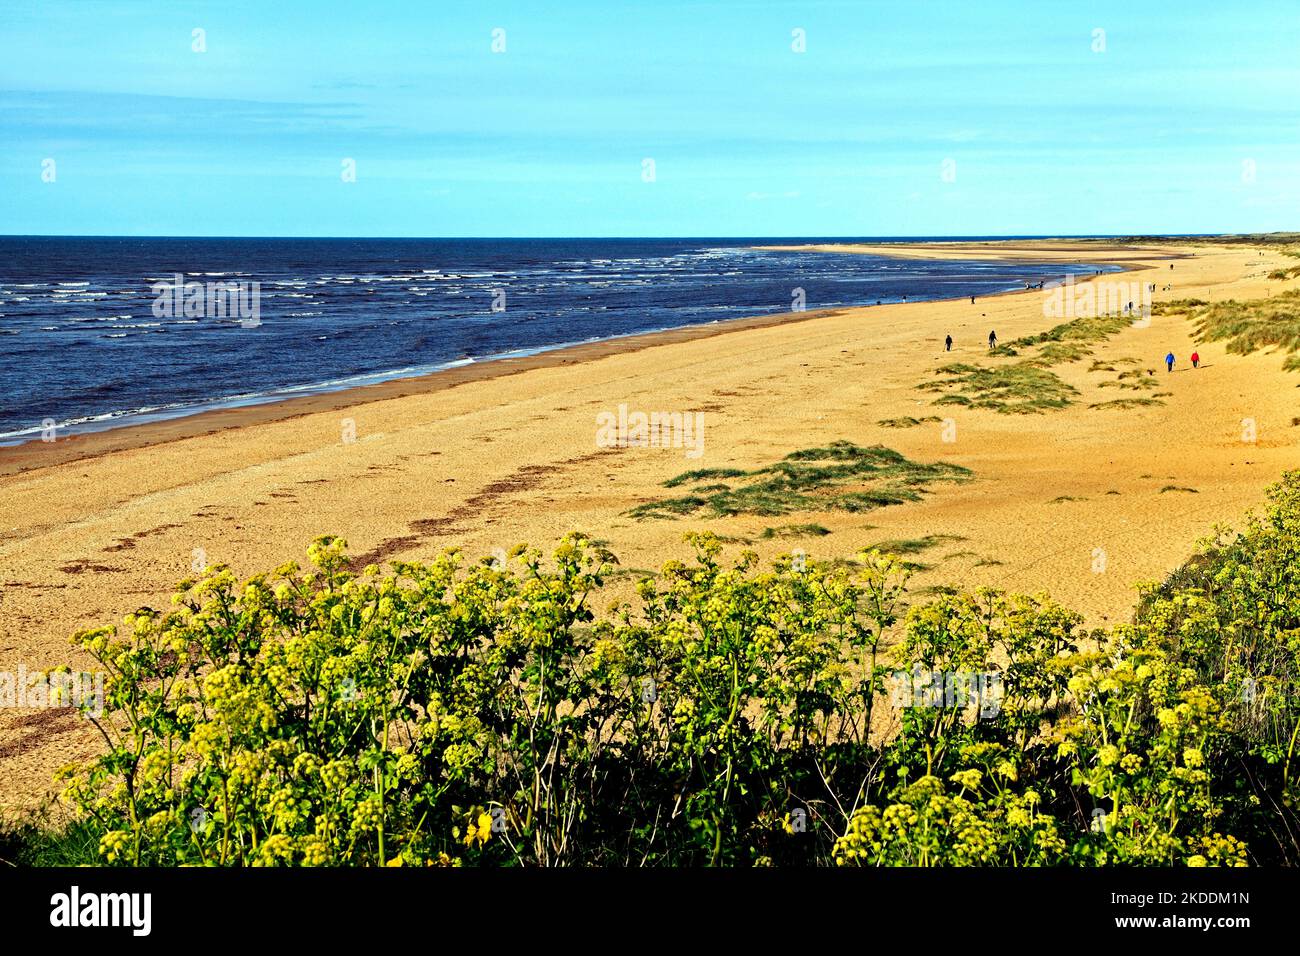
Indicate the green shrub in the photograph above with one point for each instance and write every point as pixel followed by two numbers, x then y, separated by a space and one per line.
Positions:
pixel 811 713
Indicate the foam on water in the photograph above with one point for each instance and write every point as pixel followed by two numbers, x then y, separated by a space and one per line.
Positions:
pixel 340 313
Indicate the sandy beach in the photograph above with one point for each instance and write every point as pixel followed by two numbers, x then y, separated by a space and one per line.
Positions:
pixel 484 457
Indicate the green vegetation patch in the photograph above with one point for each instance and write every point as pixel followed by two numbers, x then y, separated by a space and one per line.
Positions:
pixel 1029 387
pixel 1177 306
pixel 701 474
pixel 1019 389
pixel 1253 325
pixel 1143 383
pixel 1072 340
pixel 905 546
pixel 1247 326
pixel 795 531
pixel 842 476
pixel 907 421
pixel 1119 404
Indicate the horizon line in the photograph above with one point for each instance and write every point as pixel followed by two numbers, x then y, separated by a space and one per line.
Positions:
pixel 810 236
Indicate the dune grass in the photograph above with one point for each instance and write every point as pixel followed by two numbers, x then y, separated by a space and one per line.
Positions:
pixel 1119 404
pixel 937 590
pixel 1253 325
pixel 795 531
pixel 1058 353
pixel 1133 381
pixel 1177 306
pixel 1246 326
pixel 1029 387
pixel 44 844
pixel 841 476
pixel 907 421
pixel 700 474
pixel 1019 389
pixel 1128 379
pixel 907 546
pixel 1072 340
pixel 1287 272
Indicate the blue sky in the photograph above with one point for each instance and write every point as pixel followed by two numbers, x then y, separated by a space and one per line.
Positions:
pixel 748 137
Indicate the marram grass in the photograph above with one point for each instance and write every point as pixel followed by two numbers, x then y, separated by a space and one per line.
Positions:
pixel 1250 326
pixel 1027 386
pixel 1017 389
pixel 841 476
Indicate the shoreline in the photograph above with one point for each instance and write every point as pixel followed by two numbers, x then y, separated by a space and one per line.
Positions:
pixel 35 453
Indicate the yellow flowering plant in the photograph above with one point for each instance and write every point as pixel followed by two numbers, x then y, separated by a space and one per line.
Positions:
pixel 456 713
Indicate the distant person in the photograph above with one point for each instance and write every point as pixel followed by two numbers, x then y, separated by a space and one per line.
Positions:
pixel 1169 361
pixel 1196 359
pixel 972 300
pixel 993 340
pixel 947 344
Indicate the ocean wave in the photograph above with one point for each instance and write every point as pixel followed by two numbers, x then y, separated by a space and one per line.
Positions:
pixel 377 310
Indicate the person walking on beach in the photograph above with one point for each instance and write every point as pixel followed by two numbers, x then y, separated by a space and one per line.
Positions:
pixel 1196 360
pixel 947 344
pixel 1169 360
pixel 972 300
pixel 993 341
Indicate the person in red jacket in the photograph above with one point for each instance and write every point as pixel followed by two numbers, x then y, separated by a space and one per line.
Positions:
pixel 1196 359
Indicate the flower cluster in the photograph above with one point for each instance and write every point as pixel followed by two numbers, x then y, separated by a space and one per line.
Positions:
pixel 442 714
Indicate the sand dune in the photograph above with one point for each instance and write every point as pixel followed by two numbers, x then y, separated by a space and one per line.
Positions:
pixel 92 528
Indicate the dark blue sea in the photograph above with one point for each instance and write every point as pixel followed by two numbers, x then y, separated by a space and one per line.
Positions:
pixel 82 345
